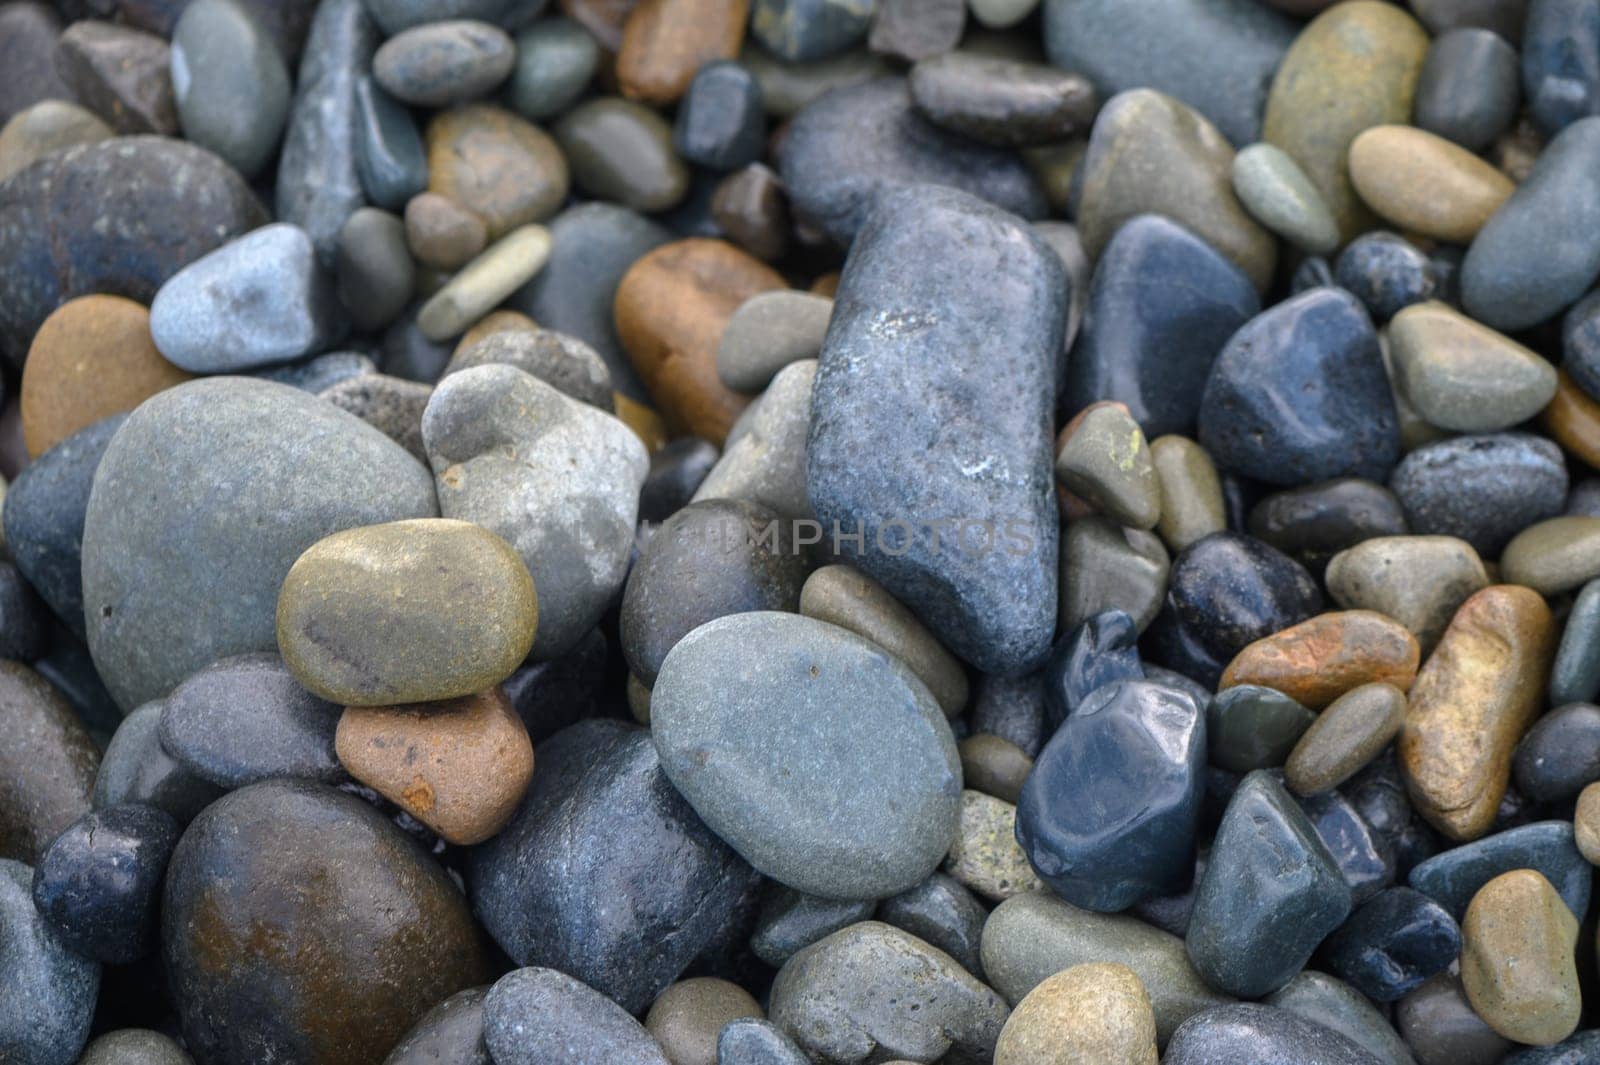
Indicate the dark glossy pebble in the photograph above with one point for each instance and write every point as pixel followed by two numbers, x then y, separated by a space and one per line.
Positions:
pixel 1314 523
pixel 602 823
pixel 721 120
pixel 98 886
pixel 676 470
pixel 1299 395
pixel 44 509
pixel 1392 943
pixel 1386 272
pixel 549 696
pixel 1270 894
pixel 1171 913
pixel 137 769
pixel 1364 856
pixel 1162 303
pixel 389 153
pixel 1251 727
pixel 1105 848
pixel 1469 88
pixel 912 30
pixel 941 912
pixel 1227 591
pixel 1378 795
pixel 1561 62
pixel 1012 708
pixel 1101 650
pixel 245 719
pixel 1250 1034
pixel 1575 676
pixel 1482 489
pixel 707 560
pixel 449 1034
pixel 1583 1048
pixel 1580 344
pixel 1547 847
pixel 1560 755
pixel 1002 101
pixel 855 142
pixel 22 617
pixel 790 921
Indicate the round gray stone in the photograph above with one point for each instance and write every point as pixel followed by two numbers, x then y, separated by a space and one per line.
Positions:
pixel 231 83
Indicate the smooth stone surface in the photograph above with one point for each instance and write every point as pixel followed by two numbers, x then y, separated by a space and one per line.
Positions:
pixel 383 936
pixel 1106 567
pixel 1148 342
pixel 1392 943
pixel 1250 1034
pixel 32 33
pixel 50 991
pixel 507 171
pixel 750 208
pixel 1469 87
pixel 858 142
pixel 134 1046
pixel 1517 959
pixel 1554 556
pixel 765 457
pixel 556 58
pixel 990 599
pixel 1191 494
pixel 1345 737
pixel 47 767
pixel 803 30
pixel 1095 1012
pixel 1575 675
pixel 1103 458
pixel 230 83
pixel 47 126
pixel 1547 847
pixel 622 151
pixel 494 274
pixel 442 63
pixel 441 233
pixel 601 822
pixel 1438 1022
pixel 1332 1003
pixel 1560 755
pixel 1270 893
pixel 942 913
pixel 450 1032
pixel 245 719
pixel 1102 650
pixel 1318 660
pixel 688 1017
pixel 374 270
pixel 1462 376
pixel 137 769
pixel 912 30
pixel 389 154
pixel 120 73
pixel 1560 74
pixel 790 921
pixel 1581 1047
pixel 1250 727
pixel 1280 196
pixel 1386 272
pixel 538 1016
pixel 870 990
pixel 665 41
pixel 721 122
pixel 1366 858
pixel 1573 420
pixel 1482 489
pixel 757 1042
pixel 1315 522
pixel 1002 101
pixel 1424 184
pixel 767 332
pixel 1417 580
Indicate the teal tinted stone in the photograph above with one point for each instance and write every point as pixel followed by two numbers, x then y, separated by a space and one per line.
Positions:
pixel 556 58
pixel 389 152
pixel 1251 727
pixel 230 83
pixel 1575 677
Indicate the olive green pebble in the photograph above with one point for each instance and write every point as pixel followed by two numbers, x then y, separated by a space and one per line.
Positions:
pixel 1097 1012
pixel 1463 376
pixel 994 765
pixel 1250 727
pixel 1553 556
pixel 1417 580
pixel 1346 736
pixel 622 151
pixel 688 1016
pixel 1586 823
pixel 48 126
pixel 1106 460
pixel 638 700
pixel 1192 505
pixel 1280 196
pixel 985 857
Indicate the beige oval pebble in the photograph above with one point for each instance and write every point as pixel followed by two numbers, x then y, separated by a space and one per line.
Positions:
pixel 1345 737
pixel 1192 506
pixel 1423 183
pixel 1517 964
pixel 994 765
pixel 1586 823
pixel 1460 375
pixel 1417 580
pixel 688 1016
pixel 1092 1014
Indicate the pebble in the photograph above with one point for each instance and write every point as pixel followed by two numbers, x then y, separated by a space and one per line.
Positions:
pixel 871 990
pixel 47 768
pixel 174 203
pixel 804 30
pixel 396 16
pixel 767 332
pixel 1332 1003
pixel 1580 344
pixel 1469 88
pixel 721 123
pixel 442 63
pixel 1560 80
pixel 1534 257
pixel 50 991
pixel 261 299
pixel 373 269
pixel 1386 272
pixel 1517 959
pixel 1573 420
pixel 1191 493
pixel 245 719
pixel 31 34
pixel 1454 876
pixel 601 822
pixel 1148 342
pixel 1250 1034
pixel 788 88
pixel 790 921
pixel 756 1042
pixel 942 913
pixel 121 74
pixel 564 363
pixel 1151 153
pixel 985 857
pixel 98 885
pixel 392 405
pixel 1485 679
pixel 1250 727
pixel 1424 184
pixel 1100 651
pixel 664 42
pixel 556 60
pixel 450 1031
pixel 382 936
pixel 992 601
pixel 45 127
pixel 441 233
pixel 536 1016
pixel 1012 708
pixel 1440 1026
pixel 857 143
pixel 1033 936
pixel 1316 522
pixel 1002 101
pixel 1107 567
pixel 1102 457
pixel 1366 858
pixel 137 769
pixel 134 1046
pixel 390 159
pixel 1586 823
pixel 688 1017
pixel 622 151
pixel 1575 676
pixel 1560 754
pixel 750 208
pixel 1319 660
pixel 1094 1012
pixel 913 30
pixel 1102 851
pixel 1279 195
pixel 230 83
pixel 1392 943
pixel 1270 893
pixel 1462 376
pixel 1354 67
pixel 485 282
pixel 1345 737
pixel 1420 581
pixel 1482 489
pixel 1553 556
pixel 506 171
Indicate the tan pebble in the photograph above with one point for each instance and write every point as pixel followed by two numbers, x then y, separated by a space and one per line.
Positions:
pixel 664 42
pixel 1422 182
pixel 1586 823
pixel 985 856
pixel 994 765
pixel 688 1016
pixel 1517 965
pixel 1191 492
pixel 503 169
pixel 1092 1014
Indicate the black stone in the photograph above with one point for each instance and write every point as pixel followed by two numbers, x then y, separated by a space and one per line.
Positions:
pixel 1392 943
pixel 549 696
pixel 1251 727
pixel 1547 847
pixel 676 470
pixel 1386 272
pixel 1561 62
pixel 1314 523
pixel 941 912
pixel 1363 855
pixel 1378 794
pixel 1560 755
pixel 1101 650
pixel 1250 1034
pixel 1483 489
pixel 721 120
pixel 1469 88
pixel 22 617
pixel 1171 913
pixel 70 670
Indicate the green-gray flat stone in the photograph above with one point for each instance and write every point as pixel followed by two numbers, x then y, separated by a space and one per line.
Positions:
pixel 556 58
pixel 1463 376
pixel 1107 462
pixel 1191 492
pixel 1345 737
pixel 1278 194
pixel 1332 1003
pixel 1553 556
pixel 1105 566
pixel 1251 727
pixel 622 151
pixel 230 82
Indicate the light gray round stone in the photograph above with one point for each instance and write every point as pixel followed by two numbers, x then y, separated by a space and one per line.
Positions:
pixel 768 332
pixel 1280 196
pixel 230 82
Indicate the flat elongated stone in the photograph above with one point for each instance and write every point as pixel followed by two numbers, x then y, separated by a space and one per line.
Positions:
pixel 1575 675
pixel 442 63
pixel 1345 737
pixel 1548 847
pixel 389 154
pixel 1332 1003
pixel 488 279
pixel 1424 184
pixel 1191 493
pixel 1554 556
pixel 1315 522
pixel 47 769
pixel 1319 660
pixel 1278 194
pixel 1517 959
pixel 1002 101
pixel 906 301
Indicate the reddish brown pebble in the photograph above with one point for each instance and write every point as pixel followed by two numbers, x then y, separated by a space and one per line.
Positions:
pixel 664 42
pixel 1319 660
pixel 1573 419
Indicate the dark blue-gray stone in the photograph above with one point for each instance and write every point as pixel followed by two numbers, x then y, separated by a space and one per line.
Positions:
pixel 1392 943
pixel 1101 650
pixel 1469 87
pixel 1251 727
pixel 1575 676
pixel 319 182
pixel 1541 250
pixel 389 154
pixel 1365 856
pixel 903 430
pixel 1250 1034
pixel 1332 1003
pixel 556 58
pixel 789 921
pixel 859 141
pixel 22 617
pixel 676 470
pixel 538 1016
pixel 1547 847
pixel 1171 913
pixel 1560 755
pixel 1314 271
pixel 1217 56
pixel 1270 894
pixel 321 372
pixel 98 885
pixel 1582 1048
pixel 1386 272
pixel 137 769
pixel 70 671
pixel 602 824
pixel 592 246
pixel 30 35
pixel 1580 344
pixel 408 354
pixel 1299 395
pixel 1561 61
pixel 1012 708
pixel 804 30
pixel 50 991
pixel 1379 797
pixel 1108 816
pixel 721 122
pixel 941 912
pixel 549 696
pixel 1483 489
pixel 753 1041
pixel 1316 522
pixel 1162 303
pixel 449 1034
pixel 244 719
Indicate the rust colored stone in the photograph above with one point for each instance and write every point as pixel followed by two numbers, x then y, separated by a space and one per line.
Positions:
pixel 671 309
pixel 1319 660
pixel 826 284
pixel 1474 698
pixel 1573 419
pixel 664 42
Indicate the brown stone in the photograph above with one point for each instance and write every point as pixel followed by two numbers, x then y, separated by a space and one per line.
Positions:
pixel 688 1016
pixel 664 42
pixel 121 74
pixel 1319 660
pixel 47 764
pixel 1472 701
pixel 1097 1013
pixel 1517 959
pixel 1586 823
pixel 505 170
pixel 826 284
pixel 645 423
pixel 671 309
pixel 750 208
pixel 501 321
pixel 1573 419
pixel 994 765
pixel 1425 184
pixel 92 358
pixel 460 766
pixel 441 233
